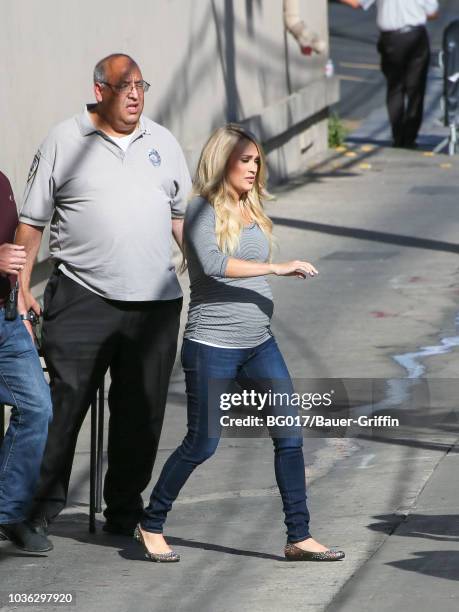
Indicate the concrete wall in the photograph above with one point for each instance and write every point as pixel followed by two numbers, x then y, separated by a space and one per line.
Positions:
pixel 209 61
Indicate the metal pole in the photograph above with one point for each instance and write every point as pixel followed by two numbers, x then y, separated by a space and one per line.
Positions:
pixel 452 139
pixel 100 446
pixel 92 468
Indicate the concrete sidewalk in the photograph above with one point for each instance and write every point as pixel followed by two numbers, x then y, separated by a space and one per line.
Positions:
pixel 417 567
pixel 381 225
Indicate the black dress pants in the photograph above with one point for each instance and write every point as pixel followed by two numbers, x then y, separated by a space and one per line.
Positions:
pixel 84 335
pixel 404 62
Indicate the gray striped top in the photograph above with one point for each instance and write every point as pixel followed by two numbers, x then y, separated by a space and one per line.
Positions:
pixel 227 312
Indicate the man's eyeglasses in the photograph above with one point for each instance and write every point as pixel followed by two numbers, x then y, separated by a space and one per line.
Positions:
pixel 126 87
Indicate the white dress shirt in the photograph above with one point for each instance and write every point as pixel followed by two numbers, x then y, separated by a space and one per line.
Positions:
pixel 396 14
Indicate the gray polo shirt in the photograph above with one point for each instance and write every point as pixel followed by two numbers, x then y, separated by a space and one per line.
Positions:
pixel 110 210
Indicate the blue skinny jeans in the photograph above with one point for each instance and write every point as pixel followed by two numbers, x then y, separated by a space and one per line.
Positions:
pixel 264 366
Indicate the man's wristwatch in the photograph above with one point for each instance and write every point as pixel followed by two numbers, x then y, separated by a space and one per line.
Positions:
pixel 29 316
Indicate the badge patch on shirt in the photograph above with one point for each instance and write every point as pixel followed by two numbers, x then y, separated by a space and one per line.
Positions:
pixel 154 157
pixel 34 167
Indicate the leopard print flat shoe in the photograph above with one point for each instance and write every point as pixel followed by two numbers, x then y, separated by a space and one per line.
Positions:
pixel 169 557
pixel 295 553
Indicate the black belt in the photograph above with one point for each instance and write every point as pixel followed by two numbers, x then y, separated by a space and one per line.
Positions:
pixel 404 30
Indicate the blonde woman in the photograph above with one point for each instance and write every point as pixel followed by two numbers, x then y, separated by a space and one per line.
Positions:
pixel 227 238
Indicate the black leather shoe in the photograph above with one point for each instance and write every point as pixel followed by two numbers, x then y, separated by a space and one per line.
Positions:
pixel 39 524
pixel 26 537
pixel 119 528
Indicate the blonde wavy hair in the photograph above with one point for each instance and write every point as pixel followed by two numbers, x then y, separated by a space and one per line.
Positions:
pixel 210 182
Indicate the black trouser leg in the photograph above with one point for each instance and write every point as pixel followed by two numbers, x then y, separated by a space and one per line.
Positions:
pixel 140 374
pixel 395 100
pixel 415 86
pixel 78 342
pixel 404 62
pixel 392 69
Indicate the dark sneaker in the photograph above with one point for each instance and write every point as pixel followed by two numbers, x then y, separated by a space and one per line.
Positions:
pixel 26 536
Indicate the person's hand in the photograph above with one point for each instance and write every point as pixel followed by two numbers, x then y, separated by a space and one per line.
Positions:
pixel 12 258
pixel 24 298
pixel 298 268
pixel 353 3
pixel 29 302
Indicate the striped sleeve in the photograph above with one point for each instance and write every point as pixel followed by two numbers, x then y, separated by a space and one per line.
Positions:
pixel 199 233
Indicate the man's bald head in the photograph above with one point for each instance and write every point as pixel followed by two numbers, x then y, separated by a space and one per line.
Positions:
pixel 115 62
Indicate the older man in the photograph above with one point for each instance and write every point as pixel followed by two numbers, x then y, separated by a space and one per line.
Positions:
pixel 114 184
pixel 405 53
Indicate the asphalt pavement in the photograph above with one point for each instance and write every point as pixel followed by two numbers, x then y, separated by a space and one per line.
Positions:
pixel 381 226
pixel 388 287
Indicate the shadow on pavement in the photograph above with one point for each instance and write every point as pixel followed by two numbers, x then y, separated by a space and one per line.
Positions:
pixel 436 527
pixel 370 235
pixel 174 541
pixel 409 442
pixel 10 551
pixel 75 527
pixel 439 527
pixel 437 563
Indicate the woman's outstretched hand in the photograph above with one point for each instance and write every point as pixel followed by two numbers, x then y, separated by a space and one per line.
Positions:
pixel 301 269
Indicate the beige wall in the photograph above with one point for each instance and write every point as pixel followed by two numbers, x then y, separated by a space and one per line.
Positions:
pixel 208 62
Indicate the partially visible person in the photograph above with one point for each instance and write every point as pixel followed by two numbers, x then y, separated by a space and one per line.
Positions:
pixel 307 39
pixel 227 238
pixel 405 54
pixel 22 386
